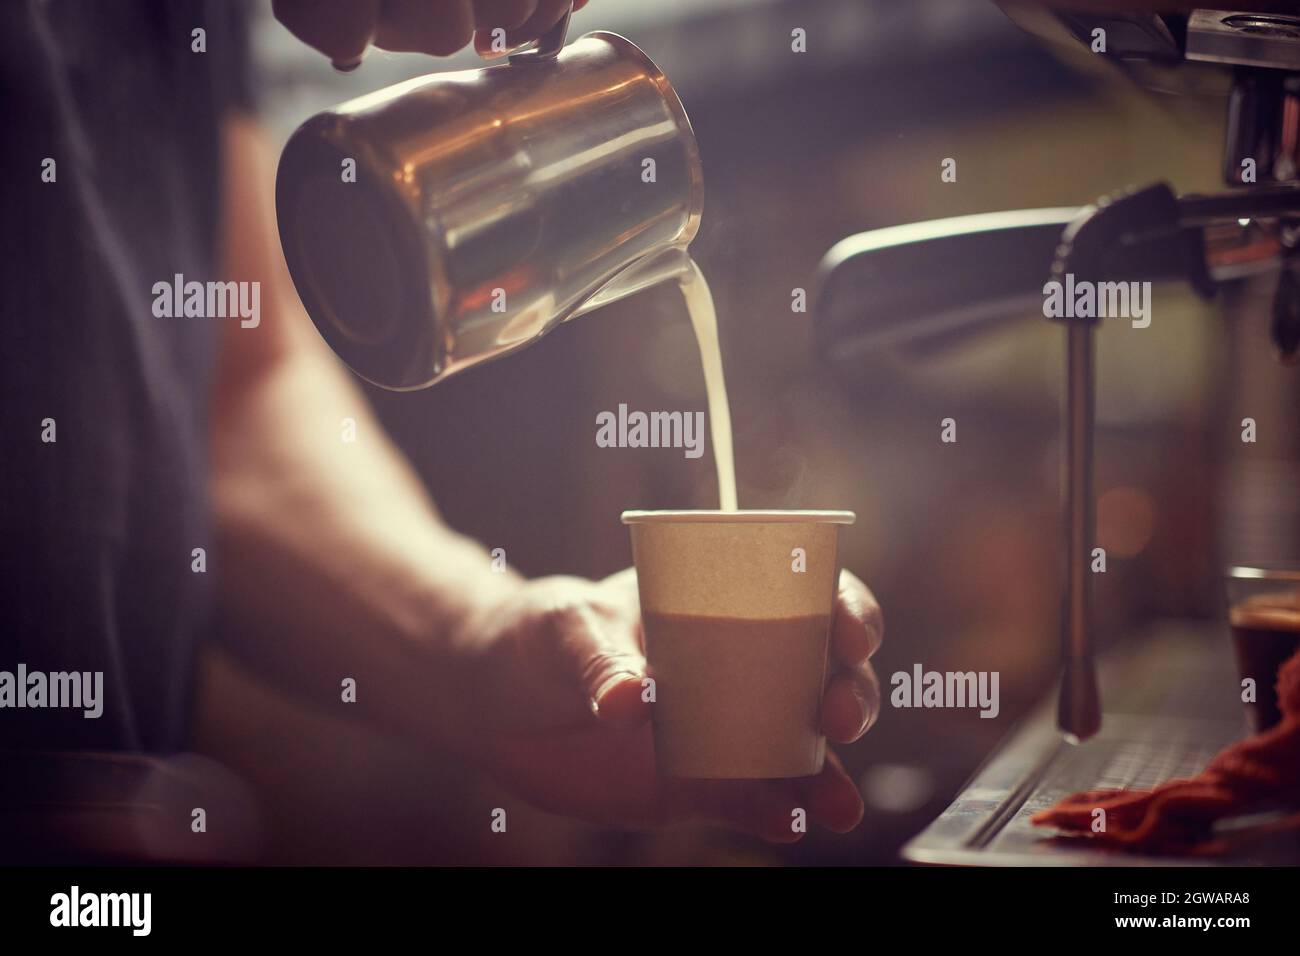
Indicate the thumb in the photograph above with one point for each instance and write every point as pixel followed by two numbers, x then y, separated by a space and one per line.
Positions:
pixel 602 649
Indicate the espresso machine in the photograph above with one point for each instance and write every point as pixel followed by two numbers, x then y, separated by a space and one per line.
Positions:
pixel 876 291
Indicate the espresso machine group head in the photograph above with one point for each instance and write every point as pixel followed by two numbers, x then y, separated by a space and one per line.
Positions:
pixel 877 289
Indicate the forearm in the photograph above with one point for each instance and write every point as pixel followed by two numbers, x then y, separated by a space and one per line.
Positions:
pixel 332 561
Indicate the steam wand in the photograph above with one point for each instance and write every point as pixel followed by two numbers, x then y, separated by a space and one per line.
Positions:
pixel 1153 234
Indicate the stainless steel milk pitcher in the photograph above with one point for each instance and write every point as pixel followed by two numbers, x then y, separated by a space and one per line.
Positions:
pixel 453 218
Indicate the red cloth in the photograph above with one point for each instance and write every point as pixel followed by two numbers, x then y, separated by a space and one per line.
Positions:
pixel 1177 817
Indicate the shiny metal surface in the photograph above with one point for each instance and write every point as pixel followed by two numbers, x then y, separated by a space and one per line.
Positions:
pixel 874 289
pixel 1170 706
pixel 488 206
pixel 1079 704
pixel 1270 40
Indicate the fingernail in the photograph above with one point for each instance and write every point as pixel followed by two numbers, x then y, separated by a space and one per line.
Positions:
pixel 609 684
pixel 348 65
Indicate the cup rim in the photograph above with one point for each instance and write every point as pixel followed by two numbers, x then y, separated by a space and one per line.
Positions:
pixel 1263 572
pixel 739 517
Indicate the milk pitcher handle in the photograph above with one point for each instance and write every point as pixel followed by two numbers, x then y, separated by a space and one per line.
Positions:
pixel 546 47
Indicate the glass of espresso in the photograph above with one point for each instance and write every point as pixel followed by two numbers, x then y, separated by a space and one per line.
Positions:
pixel 1264 614
pixel 737 608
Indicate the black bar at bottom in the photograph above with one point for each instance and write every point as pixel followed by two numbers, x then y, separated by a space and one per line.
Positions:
pixel 1017 908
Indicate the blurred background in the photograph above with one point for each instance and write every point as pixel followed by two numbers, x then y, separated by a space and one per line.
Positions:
pixel 960 542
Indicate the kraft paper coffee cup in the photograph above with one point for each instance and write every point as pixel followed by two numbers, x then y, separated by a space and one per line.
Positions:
pixel 737 608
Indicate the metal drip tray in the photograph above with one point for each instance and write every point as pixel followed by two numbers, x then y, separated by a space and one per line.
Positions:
pixel 1171 706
